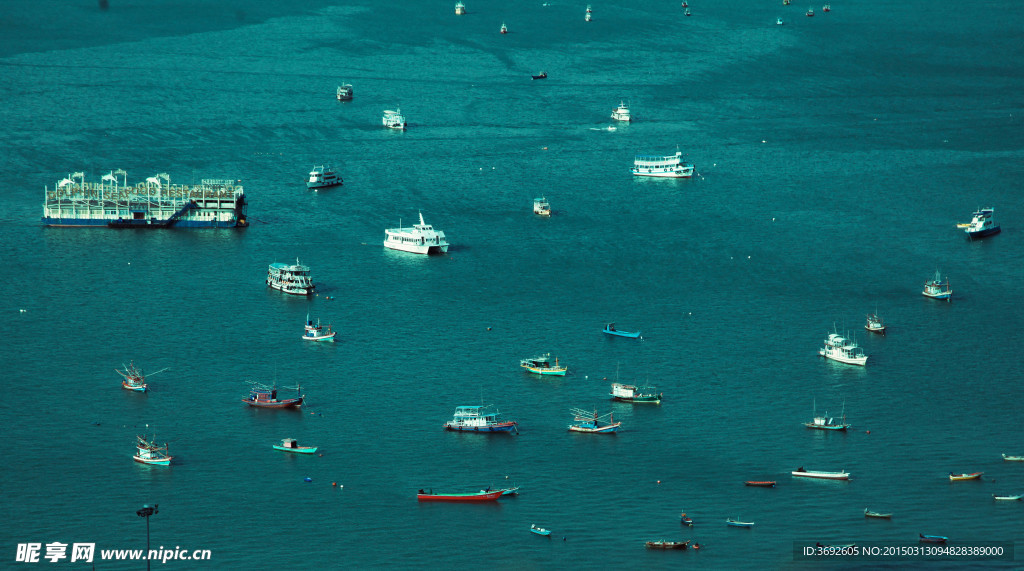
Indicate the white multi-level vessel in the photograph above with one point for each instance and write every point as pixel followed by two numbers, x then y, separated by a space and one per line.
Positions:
pixel 420 239
pixel 323 177
pixel 294 279
pixel 393 119
pixel 843 350
pixel 621 113
pixel 670 166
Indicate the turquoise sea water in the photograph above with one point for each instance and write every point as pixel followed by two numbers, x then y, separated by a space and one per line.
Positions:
pixel 835 156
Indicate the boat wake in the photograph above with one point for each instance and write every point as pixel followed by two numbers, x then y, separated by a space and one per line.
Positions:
pixel 608 128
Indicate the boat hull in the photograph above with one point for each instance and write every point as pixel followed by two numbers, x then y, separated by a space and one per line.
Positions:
pixel 134 388
pixel 733 523
pixel 685 173
pixel 840 427
pixel 610 429
pixel 481 497
pixel 1013 458
pixel 289 403
pixel 298 450
pixel 629 334
pixel 965 477
pixel 667 544
pixel 318 185
pixel 558 372
pixel 983 233
pixel 761 484
pixel 153 461
pixel 860 361
pixel 113 223
pixel 876 515
pixel 416 248
pixel 509 426
pixel 638 400
pixel 327 338
pixel 822 475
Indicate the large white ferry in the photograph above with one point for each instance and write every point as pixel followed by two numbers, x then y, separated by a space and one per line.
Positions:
pixel 323 177
pixel 671 166
pixel 843 350
pixel 393 119
pixel 420 239
pixel 294 279
pixel 156 203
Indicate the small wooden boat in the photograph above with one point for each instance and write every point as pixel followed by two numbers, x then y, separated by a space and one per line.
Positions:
pixel 470 497
pixel 291 445
pixel 611 330
pixel 869 513
pixel 932 538
pixel 667 544
pixel 539 530
pixel 149 452
pixel 686 520
pixel 801 473
pixel 737 523
pixel 960 477
pixel 262 396
pixel 542 366
pixel 541 75
pixel 1016 498
pixel 1013 458
pixel 586 421
pixel 760 483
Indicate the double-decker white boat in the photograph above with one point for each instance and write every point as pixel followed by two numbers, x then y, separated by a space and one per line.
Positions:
pixel 843 350
pixel 323 177
pixel 982 224
pixel 393 119
pixel 671 166
pixel 621 113
pixel 420 239
pixel 290 278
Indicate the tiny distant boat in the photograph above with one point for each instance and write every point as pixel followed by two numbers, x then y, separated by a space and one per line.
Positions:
pixel 1016 498
pixel 737 523
pixel 317 332
pixel 869 513
pixel 667 544
pixel 542 366
pixel 801 473
pixel 541 75
pixel 841 349
pixel 666 166
pixel 786 2
pixel 686 520
pixel 149 452
pixel 631 393
pixel 1013 458
pixel 760 483
pixel 963 477
pixel 686 12
pixel 539 530
pixel 460 8
pixel 323 177
pixel 588 17
pixel 478 419
pixel 826 8
pixel 541 207
pixel 834 546
pixel 611 330
pixel 936 289
pixel 393 119
pixel 874 324
pixel 621 113
pixel 262 396
pixel 589 9
pixel 344 92
pixel 422 238
pixel 468 497
pixel 932 538
pixel 586 421
pixel 825 422
pixel 685 5
pixel 134 379
pixel 292 279
pixel 810 12
pixel 504 28
pixel 291 445
pixel 513 491
pixel 779 22
pixel 982 224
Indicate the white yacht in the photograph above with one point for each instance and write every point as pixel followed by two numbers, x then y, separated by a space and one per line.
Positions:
pixel 344 92
pixel 621 113
pixel 393 119
pixel 843 350
pixel 293 279
pixel 671 166
pixel 420 239
pixel 323 177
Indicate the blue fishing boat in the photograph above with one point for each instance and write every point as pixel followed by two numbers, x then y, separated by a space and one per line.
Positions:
pixel 477 419
pixel 737 523
pixel 936 289
pixel 932 538
pixel 586 421
pixel 686 520
pixel 149 452
pixel 539 530
pixel 611 330
pixel 291 445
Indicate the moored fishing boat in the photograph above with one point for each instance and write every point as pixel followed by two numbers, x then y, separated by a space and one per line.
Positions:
pixel 458 497
pixel 869 513
pixel 1013 458
pixel 734 522
pixel 539 530
pixel 291 445
pixel 478 419
pixel 874 324
pixel 670 166
pixel 841 349
pixel 634 394
pixel 293 279
pixel 801 473
pixel 323 177
pixel 541 365
pixel 825 422
pixel 262 396
pixel 317 332
pixel 760 483
pixel 541 207
pixel 422 238
pixel 610 329
pixel 932 538
pixel 393 119
pixel 621 113
pixel 685 519
pixel 541 75
pixel 134 379
pixel 586 421
pixel 982 224
pixel 667 544
pixel 936 289
pixel 964 477
pixel 344 92
pixel 149 452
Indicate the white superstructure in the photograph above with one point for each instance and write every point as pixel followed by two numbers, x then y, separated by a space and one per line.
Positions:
pixel 621 113
pixel 393 119
pixel 323 177
pixel 460 8
pixel 843 350
pixel 420 239
pixel 671 166
pixel 294 279
pixel 344 92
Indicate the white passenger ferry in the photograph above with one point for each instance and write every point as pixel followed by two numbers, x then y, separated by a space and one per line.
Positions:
pixel 344 92
pixel 293 279
pixel 420 239
pixel 393 119
pixel 843 350
pixel 671 166
pixel 323 177
pixel 621 113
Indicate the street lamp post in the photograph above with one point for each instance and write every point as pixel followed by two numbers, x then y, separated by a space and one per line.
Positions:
pixel 146 511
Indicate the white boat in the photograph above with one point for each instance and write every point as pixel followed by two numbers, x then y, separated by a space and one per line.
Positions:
pixel 982 224
pixel 344 92
pixel 460 8
pixel 1013 458
pixel 936 289
pixel 1015 498
pixel 671 166
pixel 393 119
pixel 323 177
pixel 294 279
pixel 843 350
pixel 779 22
pixel 874 323
pixel 801 473
pixel 810 12
pixel 621 113
pixel 588 17
pixel 420 239
pixel 504 28
pixel 317 332
pixel 541 207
